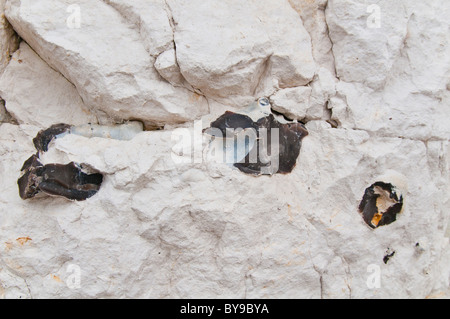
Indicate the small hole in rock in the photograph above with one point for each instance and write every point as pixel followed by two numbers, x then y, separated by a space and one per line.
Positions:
pixel 380 204
pixel 388 256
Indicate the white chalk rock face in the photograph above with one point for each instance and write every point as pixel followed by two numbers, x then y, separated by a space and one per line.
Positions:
pixel 167 66
pixel 153 217
pixel 366 38
pixel 292 102
pixel 292 62
pixel 386 88
pixel 312 13
pixel 152 19
pixel 214 58
pixel 323 88
pixel 267 46
pixel 78 38
pixel 41 103
pixel 169 220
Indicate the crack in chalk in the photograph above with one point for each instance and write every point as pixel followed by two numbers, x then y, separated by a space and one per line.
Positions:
pixel 28 287
pixel 312 262
pixel 264 73
pixel 332 43
pixel 91 111
pixel 135 22
pixel 321 286
pixel 343 259
pixel 13 272
pixel 173 25
pixel 348 274
pixel 5 26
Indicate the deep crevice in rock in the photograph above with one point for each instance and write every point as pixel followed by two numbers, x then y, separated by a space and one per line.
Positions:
pixel 332 43
pixel 173 25
pixel 5 116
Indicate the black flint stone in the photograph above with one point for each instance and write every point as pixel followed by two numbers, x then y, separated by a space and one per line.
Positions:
pixel 387 257
pixel 60 180
pixel 44 137
pixel 55 179
pixel 290 138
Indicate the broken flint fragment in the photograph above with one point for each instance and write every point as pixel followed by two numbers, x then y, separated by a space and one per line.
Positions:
pixel 29 181
pixel 57 179
pixel 70 180
pixel 44 137
pixel 277 153
pixel 380 204
pixel 258 142
pixel 122 132
pixel 233 121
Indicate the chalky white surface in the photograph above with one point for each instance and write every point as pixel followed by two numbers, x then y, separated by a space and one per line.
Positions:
pixel 377 105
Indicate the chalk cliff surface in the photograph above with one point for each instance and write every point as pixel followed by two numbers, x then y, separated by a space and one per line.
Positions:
pixel 371 82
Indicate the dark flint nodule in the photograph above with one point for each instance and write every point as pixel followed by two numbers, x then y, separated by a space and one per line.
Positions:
pixel 58 179
pixel 380 204
pixel 44 137
pixel 29 181
pixel 67 180
pixel 290 138
pixel 388 256
pixel 234 121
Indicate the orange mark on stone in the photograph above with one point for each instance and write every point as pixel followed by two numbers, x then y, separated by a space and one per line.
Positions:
pixel 334 227
pixel 56 278
pixel 23 240
pixel 291 217
pixel 195 97
pixel 376 219
pixel 436 296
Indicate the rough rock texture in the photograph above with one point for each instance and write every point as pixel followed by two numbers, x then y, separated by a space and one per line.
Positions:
pixel 312 13
pixel 265 46
pixel 375 99
pixel 123 85
pixel 388 88
pixel 292 102
pixel 350 28
pixel 33 100
pixel 152 20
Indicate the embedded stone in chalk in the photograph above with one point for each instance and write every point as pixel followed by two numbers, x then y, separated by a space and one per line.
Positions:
pixel 122 132
pixel 29 181
pixel 381 204
pixel 44 137
pixel 68 180
pixel 275 147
